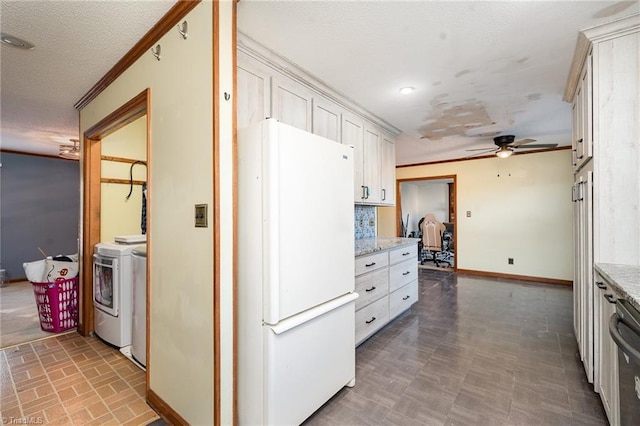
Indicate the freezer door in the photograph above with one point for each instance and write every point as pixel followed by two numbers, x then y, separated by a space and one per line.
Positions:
pixel 308 227
pixel 307 364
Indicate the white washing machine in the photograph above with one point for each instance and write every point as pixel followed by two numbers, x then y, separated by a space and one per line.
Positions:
pixel 139 331
pixel 113 289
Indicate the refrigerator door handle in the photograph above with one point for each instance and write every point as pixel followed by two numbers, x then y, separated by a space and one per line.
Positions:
pixel 289 323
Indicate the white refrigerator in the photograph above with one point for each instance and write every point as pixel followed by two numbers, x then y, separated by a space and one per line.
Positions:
pixel 296 299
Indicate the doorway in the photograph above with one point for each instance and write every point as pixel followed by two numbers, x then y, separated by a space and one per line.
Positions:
pixel 111 149
pixel 428 195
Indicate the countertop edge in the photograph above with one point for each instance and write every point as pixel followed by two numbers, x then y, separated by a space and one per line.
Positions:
pixel 379 245
pixel 625 279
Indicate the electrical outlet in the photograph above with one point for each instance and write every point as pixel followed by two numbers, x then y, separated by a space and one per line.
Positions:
pixel 510 260
pixel 468 213
pixel 372 222
pixel 361 221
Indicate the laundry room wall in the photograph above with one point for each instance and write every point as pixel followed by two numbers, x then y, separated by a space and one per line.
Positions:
pixel 119 215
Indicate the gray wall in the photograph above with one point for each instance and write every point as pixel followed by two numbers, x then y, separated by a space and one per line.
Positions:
pixel 39 205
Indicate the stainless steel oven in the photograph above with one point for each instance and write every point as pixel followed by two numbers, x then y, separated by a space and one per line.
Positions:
pixel 624 328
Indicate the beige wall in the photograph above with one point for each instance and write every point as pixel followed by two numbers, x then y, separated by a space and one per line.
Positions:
pixel 181 175
pixel 520 207
pixel 119 216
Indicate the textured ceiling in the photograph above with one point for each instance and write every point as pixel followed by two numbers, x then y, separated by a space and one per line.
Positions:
pixel 77 42
pixel 473 63
pixel 479 67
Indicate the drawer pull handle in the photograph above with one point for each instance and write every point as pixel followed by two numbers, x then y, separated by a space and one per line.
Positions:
pixel 601 285
pixel 406 273
pixel 406 254
pixel 371 320
pixel 610 298
pixel 370 264
pixel 370 289
pixel 406 297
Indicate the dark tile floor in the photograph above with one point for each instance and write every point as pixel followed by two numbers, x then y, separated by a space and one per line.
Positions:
pixel 471 351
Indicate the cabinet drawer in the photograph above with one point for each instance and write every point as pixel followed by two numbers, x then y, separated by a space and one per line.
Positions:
pixel 371 262
pixel 403 253
pixel 371 287
pixel 402 273
pixel 371 318
pixel 402 299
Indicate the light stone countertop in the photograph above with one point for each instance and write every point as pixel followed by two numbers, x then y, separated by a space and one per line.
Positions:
pixel 371 245
pixel 625 279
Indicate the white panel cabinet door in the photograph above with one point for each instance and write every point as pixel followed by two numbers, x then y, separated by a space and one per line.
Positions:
pixel 388 171
pixel 372 141
pixel 254 94
pixel 353 134
pixel 327 118
pixel 291 103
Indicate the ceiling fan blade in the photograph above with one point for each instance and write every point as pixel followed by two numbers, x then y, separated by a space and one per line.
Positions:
pixel 481 149
pixel 540 145
pixel 480 153
pixel 521 142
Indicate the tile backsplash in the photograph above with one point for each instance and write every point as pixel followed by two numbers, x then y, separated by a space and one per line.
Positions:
pixel 365 222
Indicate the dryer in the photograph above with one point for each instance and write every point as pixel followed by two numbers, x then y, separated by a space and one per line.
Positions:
pixel 113 290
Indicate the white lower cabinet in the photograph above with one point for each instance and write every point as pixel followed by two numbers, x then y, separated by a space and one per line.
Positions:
pixel 402 299
pixel 387 285
pixel 606 383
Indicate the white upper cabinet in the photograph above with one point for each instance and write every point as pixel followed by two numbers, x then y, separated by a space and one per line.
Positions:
pixel 353 135
pixel 582 143
pixel 327 119
pixel 388 171
pixel 371 166
pixel 291 102
pixel 254 93
pixel 270 86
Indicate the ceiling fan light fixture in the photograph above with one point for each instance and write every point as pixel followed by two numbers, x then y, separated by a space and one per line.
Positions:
pixel 407 90
pixel 9 40
pixel 70 152
pixel 504 152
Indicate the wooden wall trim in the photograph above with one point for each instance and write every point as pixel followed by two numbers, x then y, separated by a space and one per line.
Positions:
pixel 126 114
pixel 480 157
pixel 166 23
pixel 162 408
pixel 34 154
pixel 541 280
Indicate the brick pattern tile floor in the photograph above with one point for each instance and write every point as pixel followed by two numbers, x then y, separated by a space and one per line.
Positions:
pixel 70 379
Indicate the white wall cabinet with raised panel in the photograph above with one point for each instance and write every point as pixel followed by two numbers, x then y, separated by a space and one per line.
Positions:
pixel 387 170
pixel 291 102
pixel 327 119
pixel 270 86
pixel 254 92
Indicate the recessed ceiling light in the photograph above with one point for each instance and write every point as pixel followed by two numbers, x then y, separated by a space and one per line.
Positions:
pixel 10 40
pixel 406 90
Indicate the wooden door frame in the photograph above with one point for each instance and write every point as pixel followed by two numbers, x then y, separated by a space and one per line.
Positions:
pixel 91 193
pixel 455 208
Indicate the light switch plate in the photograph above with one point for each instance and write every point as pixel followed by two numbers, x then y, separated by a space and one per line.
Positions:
pixel 201 215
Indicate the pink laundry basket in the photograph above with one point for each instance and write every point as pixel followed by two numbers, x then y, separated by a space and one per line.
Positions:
pixel 57 304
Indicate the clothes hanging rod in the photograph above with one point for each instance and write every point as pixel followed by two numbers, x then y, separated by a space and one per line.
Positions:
pixel 124 181
pixel 119 159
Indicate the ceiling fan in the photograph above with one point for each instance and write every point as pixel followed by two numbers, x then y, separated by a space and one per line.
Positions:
pixel 507 144
pixel 70 152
